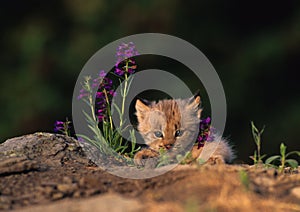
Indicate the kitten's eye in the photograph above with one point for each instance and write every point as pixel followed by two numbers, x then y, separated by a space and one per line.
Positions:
pixel 158 134
pixel 178 133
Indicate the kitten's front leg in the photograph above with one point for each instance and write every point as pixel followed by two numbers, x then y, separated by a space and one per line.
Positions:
pixel 140 158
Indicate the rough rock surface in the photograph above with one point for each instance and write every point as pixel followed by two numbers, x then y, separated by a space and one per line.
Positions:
pixel 49 172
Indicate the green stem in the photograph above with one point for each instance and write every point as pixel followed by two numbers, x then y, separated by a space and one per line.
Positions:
pixel 281 168
pixel 124 94
pixel 258 150
pixel 124 98
pixel 92 108
pixel 108 110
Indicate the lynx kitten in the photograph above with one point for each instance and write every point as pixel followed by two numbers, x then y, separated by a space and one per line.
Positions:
pixel 171 125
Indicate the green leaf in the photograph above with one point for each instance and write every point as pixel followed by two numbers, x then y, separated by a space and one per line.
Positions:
pixel 271 159
pixel 254 129
pixel 263 156
pixel 271 165
pixel 95 131
pixel 86 101
pixel 118 148
pixel 254 157
pixel 117 108
pixel 121 87
pixel 93 142
pixel 179 158
pixel 282 149
pixel 84 137
pixel 90 120
pixel 130 79
pixel 292 163
pixel 293 152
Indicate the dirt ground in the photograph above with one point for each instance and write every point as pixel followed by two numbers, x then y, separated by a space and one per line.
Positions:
pixel 47 172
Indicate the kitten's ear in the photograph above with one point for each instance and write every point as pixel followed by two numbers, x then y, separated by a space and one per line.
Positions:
pixel 141 108
pixel 195 102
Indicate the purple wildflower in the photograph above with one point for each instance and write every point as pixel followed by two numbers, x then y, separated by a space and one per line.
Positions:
pixel 58 126
pixel 62 127
pixel 102 74
pixel 125 63
pixel 82 93
pixel 126 51
pixel 104 85
pixel 99 80
pixel 104 95
pixel 80 139
pixel 119 72
pixel 205 132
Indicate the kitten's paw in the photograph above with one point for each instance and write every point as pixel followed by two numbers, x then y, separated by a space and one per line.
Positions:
pixel 146 158
pixel 215 160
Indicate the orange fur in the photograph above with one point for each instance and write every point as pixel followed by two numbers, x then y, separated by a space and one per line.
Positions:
pixel 165 118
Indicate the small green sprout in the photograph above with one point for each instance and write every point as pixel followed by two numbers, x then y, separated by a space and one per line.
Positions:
pixel 282 159
pixel 184 159
pixel 244 178
pixel 164 158
pixel 257 157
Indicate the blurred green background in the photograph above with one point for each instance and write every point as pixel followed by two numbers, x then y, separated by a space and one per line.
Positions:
pixel 254 46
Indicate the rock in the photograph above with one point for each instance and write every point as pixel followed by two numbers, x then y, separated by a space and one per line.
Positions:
pixel 38 170
pixel 5 202
pixel 264 181
pixel 66 188
pixel 45 148
pixel 57 196
pixel 16 165
pixel 296 192
pixel 107 202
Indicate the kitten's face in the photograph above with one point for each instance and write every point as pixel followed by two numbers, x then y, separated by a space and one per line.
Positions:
pixel 169 122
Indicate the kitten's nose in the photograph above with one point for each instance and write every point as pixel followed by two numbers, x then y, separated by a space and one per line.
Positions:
pixel 168 146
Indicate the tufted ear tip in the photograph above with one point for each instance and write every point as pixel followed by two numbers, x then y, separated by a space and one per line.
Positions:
pixel 196 99
pixel 141 106
pixel 195 102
